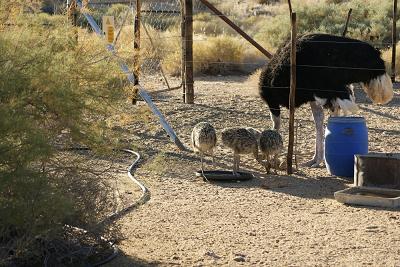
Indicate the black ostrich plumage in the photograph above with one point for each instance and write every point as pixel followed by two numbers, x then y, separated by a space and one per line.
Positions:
pixel 326 65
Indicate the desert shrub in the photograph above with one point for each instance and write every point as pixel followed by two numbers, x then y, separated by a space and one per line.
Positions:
pixel 253 59
pixel 273 32
pixel 167 50
pixel 370 21
pixel 218 55
pixel 209 24
pixel 172 55
pixel 162 22
pixel 336 1
pixel 119 12
pixel 267 2
pixel 318 17
pixel 96 13
pixel 387 56
pixel 253 80
pixel 55 92
pixel 222 54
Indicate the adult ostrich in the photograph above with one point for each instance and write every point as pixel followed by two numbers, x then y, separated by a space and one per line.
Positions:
pixel 327 65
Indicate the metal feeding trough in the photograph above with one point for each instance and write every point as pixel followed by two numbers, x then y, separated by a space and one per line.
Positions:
pixel 376 181
pixel 377 170
pixel 369 196
pixel 226 176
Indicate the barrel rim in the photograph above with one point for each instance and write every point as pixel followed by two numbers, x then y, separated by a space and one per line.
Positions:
pixel 381 155
pixel 339 119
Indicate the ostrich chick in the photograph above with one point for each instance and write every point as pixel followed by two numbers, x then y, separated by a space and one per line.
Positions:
pixel 256 133
pixel 204 139
pixel 271 144
pixel 241 141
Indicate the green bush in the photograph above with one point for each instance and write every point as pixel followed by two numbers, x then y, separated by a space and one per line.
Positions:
pixel 211 25
pixel 370 21
pixel 267 2
pixel 387 56
pixel 120 14
pixel 336 1
pixel 218 55
pixel 54 91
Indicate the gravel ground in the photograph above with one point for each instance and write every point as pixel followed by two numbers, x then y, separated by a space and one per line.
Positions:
pixel 272 220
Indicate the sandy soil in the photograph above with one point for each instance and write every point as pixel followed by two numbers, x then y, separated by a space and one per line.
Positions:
pixel 272 220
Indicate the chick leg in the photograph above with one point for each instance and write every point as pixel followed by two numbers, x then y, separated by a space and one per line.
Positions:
pixel 213 158
pixel 238 163
pixel 234 164
pixel 276 164
pixel 267 164
pixel 202 164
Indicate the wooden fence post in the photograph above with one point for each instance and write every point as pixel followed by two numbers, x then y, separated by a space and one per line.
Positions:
pixel 290 8
pixel 183 57
pixel 136 42
pixel 394 40
pixel 236 28
pixel 292 95
pixel 73 16
pixel 188 50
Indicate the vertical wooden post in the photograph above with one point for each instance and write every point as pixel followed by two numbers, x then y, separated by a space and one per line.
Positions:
pixel 290 8
pixel 292 95
pixel 188 44
pixel 136 42
pixel 347 22
pixel 183 58
pixel 73 16
pixel 394 40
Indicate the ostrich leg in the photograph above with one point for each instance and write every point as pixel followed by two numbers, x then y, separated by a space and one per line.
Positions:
pixel 276 121
pixel 318 115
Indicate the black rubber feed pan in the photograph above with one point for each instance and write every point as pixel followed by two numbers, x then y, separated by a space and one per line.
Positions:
pixel 224 176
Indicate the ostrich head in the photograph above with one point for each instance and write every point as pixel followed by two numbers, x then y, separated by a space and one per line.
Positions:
pixel 379 89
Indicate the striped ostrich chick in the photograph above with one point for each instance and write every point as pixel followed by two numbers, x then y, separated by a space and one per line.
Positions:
pixel 256 133
pixel 271 144
pixel 204 140
pixel 241 141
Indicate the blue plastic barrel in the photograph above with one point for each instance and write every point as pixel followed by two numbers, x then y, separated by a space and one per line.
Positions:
pixel 344 137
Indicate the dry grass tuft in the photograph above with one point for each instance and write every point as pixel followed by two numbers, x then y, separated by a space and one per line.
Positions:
pixel 387 57
pixel 218 55
pixel 254 79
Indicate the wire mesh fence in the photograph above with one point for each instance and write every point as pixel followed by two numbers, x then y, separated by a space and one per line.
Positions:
pixel 161 37
pixel 159 52
pixel 217 47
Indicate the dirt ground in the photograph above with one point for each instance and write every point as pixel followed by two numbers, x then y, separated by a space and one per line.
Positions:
pixel 272 220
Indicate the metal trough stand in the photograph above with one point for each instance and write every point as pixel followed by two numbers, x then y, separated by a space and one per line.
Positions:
pixel 369 196
pixel 377 170
pixel 376 181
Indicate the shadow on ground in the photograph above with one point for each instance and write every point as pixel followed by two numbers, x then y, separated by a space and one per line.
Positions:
pixel 298 185
pixel 123 260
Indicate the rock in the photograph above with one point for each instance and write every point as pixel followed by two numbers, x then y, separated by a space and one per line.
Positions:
pixel 212 254
pixel 239 259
